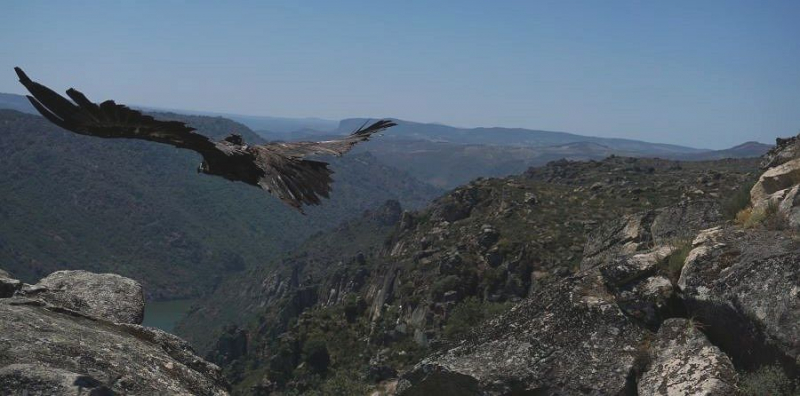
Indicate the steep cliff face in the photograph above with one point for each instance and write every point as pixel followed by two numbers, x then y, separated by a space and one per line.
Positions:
pixel 77 332
pixel 377 305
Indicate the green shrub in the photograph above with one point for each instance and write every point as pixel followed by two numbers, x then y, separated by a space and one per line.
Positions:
pixel 737 201
pixel 469 313
pixel 315 354
pixel 343 382
pixel 450 282
pixel 672 265
pixel 353 307
pixel 768 381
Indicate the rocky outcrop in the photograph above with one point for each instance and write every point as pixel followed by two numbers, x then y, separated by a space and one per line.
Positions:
pixel 8 285
pixel 628 256
pixel 686 363
pixel 611 329
pixel 567 339
pixel 107 296
pixel 473 253
pixel 745 285
pixel 785 150
pixel 776 195
pixel 640 231
pixel 52 349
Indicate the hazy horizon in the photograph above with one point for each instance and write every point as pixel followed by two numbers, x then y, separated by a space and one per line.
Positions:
pixel 708 75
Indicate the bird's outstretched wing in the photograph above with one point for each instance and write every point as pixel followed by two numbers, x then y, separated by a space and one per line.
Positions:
pixel 108 119
pixel 335 147
pixel 279 168
pixel 298 181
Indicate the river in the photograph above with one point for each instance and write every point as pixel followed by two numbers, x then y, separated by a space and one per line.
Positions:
pixel 165 315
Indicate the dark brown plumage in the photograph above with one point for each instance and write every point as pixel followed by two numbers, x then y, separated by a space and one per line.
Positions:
pixel 279 168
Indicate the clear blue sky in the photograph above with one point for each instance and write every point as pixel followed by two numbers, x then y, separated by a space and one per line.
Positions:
pixel 701 73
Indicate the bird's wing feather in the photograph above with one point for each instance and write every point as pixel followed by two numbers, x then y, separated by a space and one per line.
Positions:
pixel 295 181
pixel 335 147
pixel 298 181
pixel 108 119
pixel 279 168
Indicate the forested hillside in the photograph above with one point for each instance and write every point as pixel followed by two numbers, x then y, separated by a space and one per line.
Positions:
pixel 141 210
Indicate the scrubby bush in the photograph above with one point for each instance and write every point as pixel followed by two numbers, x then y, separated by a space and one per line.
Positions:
pixel 768 381
pixel 469 313
pixel 353 307
pixel 450 282
pixel 739 200
pixel 769 217
pixel 315 354
pixel 343 383
pixel 743 217
pixel 672 265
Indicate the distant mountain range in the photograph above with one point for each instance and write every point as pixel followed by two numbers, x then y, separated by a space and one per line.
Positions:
pixel 744 150
pixel 447 156
pixel 513 137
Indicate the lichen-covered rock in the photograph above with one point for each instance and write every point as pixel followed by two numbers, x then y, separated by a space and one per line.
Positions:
pixel 776 191
pixel 47 349
pixel 775 179
pixel 106 296
pixel 569 338
pixel 686 363
pixel 785 150
pixel 624 269
pixel 8 285
pixel 37 379
pixel 745 285
pixel 627 256
pixel 639 232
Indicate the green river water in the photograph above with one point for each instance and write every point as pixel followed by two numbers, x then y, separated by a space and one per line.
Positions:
pixel 165 314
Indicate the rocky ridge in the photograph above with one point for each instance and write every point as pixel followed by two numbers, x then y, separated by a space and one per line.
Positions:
pixel 377 307
pixel 700 305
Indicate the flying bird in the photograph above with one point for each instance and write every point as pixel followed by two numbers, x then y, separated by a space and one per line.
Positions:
pixel 279 168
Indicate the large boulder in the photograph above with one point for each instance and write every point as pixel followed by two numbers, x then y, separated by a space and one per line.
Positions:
pixel 745 285
pixel 106 296
pixel 48 350
pixel 569 338
pixel 8 285
pixel 775 194
pixel 684 362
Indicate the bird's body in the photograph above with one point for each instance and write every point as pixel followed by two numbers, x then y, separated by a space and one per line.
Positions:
pixel 279 168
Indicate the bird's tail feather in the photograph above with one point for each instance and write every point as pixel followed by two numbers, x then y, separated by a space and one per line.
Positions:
pixel 298 182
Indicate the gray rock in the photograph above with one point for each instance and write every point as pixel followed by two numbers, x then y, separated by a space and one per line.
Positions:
pixel 569 338
pixel 784 151
pixel 106 296
pixel 625 269
pixel 8 285
pixel 686 363
pixel 37 379
pixel 46 349
pixel 745 285
pixel 639 232
pixel 647 300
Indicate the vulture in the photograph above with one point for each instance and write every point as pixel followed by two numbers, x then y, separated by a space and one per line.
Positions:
pixel 279 168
